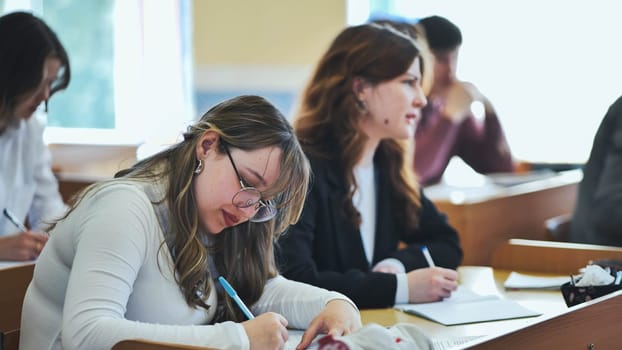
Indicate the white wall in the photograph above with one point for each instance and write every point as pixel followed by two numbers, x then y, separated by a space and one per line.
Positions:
pixel 550 67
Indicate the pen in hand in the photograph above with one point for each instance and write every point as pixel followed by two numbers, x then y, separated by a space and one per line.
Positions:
pixel 427 256
pixel 14 220
pixel 234 295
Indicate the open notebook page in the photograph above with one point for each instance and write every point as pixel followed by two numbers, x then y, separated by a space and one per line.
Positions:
pixel 465 306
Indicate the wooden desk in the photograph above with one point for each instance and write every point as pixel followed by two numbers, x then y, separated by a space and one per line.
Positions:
pixel 71 184
pixel 591 325
pixel 139 344
pixel 77 166
pixel 550 257
pixel 547 302
pixel 488 216
pixel 558 327
pixel 595 323
pixel 14 279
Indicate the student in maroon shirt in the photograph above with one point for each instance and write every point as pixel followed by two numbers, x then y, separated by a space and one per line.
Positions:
pixel 447 126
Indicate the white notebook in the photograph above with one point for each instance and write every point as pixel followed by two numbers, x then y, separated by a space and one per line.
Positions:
pixel 521 281
pixel 465 306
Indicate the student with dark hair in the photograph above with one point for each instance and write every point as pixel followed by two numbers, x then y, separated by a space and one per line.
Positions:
pixel 448 127
pixel 366 220
pixel 441 34
pixel 33 66
pixel 138 256
pixel 597 217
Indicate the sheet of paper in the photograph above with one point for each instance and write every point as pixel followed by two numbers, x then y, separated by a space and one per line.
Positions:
pixel 521 281
pixel 294 337
pixel 479 279
pixel 465 306
pixel 464 294
pixel 453 342
pixel 511 179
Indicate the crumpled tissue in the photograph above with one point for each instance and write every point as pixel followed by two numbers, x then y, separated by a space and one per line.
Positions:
pixel 594 275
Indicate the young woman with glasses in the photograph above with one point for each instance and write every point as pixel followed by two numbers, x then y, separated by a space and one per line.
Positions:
pixel 33 66
pixel 137 256
pixel 365 221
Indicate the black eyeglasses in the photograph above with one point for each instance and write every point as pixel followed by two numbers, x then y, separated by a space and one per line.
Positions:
pixel 249 196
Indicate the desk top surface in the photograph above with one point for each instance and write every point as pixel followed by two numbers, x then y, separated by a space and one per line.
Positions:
pixel 481 280
pixel 10 264
pixel 490 190
pixel 547 302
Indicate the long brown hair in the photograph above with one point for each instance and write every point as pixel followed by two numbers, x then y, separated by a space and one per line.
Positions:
pixel 242 253
pixel 327 122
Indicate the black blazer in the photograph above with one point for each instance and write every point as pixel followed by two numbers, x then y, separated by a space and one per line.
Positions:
pixel 597 217
pixel 323 249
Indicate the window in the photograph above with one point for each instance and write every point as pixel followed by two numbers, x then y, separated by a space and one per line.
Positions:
pixel 550 68
pixel 131 68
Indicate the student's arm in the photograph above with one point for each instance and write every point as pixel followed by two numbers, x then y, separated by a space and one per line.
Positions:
pixel 434 232
pixel 606 213
pixel 314 237
pixel 47 202
pixel 118 234
pixel 482 143
pixel 300 303
pixel 483 146
pixel 307 307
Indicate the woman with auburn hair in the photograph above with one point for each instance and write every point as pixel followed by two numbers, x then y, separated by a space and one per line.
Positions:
pixel 365 220
pixel 137 256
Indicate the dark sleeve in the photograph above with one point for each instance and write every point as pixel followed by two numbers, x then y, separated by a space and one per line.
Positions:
pixel 434 232
pixel 310 252
pixel 484 146
pixel 606 215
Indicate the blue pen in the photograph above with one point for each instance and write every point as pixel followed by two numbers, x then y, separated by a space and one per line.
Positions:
pixel 427 256
pixel 14 220
pixel 234 295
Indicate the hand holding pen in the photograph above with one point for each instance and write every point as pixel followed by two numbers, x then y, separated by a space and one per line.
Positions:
pixel 266 331
pixel 432 283
pixel 24 246
pixel 427 256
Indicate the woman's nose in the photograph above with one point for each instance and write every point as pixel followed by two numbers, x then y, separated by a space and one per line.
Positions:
pixel 45 93
pixel 420 100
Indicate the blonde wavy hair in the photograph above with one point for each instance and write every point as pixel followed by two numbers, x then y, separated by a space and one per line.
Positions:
pixel 242 253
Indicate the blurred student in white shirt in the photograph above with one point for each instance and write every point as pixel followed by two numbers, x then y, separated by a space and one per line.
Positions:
pixel 33 66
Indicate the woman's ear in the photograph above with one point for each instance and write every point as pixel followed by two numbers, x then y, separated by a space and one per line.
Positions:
pixel 359 86
pixel 208 141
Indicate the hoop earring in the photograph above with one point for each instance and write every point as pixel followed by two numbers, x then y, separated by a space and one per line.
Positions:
pixel 362 106
pixel 199 167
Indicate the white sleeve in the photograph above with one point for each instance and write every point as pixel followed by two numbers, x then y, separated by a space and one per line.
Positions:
pixel 115 239
pixel 402 290
pixel 47 203
pixel 298 302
